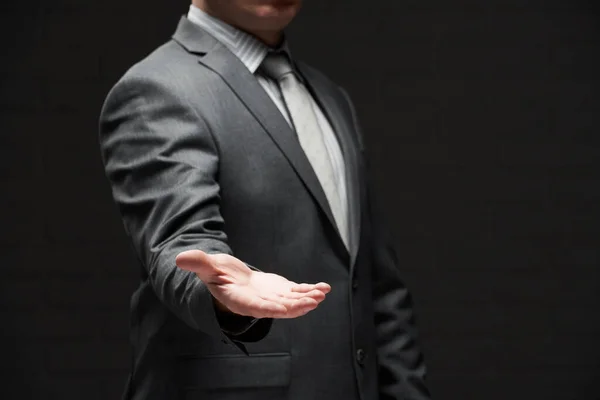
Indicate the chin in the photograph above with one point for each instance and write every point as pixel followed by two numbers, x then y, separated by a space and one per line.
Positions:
pixel 277 14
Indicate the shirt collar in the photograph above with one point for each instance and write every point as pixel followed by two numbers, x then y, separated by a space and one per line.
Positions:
pixel 250 50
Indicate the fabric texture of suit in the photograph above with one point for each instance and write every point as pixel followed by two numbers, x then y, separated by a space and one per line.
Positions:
pixel 199 157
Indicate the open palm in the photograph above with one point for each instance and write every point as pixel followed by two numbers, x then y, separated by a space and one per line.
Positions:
pixel 244 291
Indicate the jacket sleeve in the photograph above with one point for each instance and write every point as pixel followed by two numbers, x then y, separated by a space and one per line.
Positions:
pixel 162 164
pixel 401 367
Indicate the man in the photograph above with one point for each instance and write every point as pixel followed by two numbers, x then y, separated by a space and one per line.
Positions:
pixel 240 176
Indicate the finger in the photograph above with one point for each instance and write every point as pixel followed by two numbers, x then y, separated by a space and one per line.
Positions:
pixel 302 304
pixel 323 287
pixel 294 307
pixel 288 303
pixel 306 287
pixel 306 302
pixel 303 287
pixel 194 260
pixel 314 294
pixel 290 295
pixel 317 295
pixel 302 307
pixel 261 308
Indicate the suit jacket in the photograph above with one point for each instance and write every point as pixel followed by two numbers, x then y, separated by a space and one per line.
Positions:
pixel 199 157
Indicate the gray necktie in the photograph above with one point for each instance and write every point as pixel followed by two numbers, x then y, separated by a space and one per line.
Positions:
pixel 300 107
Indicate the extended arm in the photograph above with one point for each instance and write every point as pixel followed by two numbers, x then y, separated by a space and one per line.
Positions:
pixel 162 164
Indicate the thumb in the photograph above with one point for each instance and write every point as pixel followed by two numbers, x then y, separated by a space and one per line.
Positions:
pixel 193 260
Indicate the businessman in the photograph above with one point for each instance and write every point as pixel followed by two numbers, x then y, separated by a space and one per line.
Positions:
pixel 241 179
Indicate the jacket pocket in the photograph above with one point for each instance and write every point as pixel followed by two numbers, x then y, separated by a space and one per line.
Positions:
pixel 235 371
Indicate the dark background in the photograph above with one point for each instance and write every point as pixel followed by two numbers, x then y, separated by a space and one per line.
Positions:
pixel 482 123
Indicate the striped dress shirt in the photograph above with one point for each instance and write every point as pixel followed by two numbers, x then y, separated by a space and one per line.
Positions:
pixel 251 52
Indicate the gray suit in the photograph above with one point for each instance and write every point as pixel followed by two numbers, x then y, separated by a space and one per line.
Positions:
pixel 199 157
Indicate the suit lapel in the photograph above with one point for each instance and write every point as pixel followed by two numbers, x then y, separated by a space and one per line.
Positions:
pixel 234 73
pixel 330 101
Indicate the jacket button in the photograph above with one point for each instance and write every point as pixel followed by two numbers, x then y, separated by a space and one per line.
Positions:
pixel 361 356
pixel 355 284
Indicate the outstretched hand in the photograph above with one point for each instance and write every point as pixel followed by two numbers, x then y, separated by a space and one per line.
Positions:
pixel 243 291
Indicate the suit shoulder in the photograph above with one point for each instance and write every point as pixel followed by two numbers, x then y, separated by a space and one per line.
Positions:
pixel 168 67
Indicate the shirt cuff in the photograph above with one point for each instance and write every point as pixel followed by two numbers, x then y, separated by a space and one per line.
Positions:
pixel 234 324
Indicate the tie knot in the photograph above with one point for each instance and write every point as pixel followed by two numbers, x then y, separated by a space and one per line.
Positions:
pixel 276 66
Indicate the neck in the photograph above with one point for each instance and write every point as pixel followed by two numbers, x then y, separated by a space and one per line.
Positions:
pixel 270 38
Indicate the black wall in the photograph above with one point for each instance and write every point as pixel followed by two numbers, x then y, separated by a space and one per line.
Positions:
pixel 482 122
